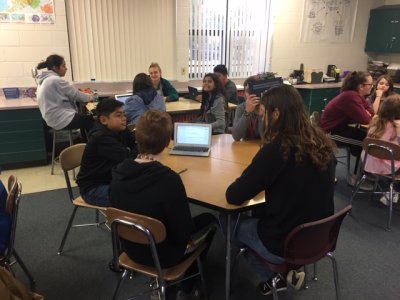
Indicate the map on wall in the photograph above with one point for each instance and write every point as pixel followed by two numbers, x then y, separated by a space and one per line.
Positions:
pixel 329 21
pixel 27 11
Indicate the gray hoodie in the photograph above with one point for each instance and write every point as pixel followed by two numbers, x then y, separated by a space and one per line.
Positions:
pixel 57 99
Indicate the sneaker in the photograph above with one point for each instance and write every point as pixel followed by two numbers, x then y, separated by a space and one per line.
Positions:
pixel 365 186
pixel 265 288
pixel 385 198
pixel 295 279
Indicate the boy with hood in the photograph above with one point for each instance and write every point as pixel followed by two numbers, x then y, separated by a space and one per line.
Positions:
pixel 110 142
pixel 147 187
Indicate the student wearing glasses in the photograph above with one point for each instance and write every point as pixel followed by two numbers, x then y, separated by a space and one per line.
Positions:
pixel 350 107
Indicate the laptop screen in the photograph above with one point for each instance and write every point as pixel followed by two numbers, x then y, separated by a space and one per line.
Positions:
pixel 259 87
pixel 123 97
pixel 193 134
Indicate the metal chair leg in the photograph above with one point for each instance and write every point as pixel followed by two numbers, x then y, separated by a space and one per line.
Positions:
pixel 203 282
pixel 119 284
pixel 274 291
pixel 335 274
pixel 315 278
pixel 71 143
pixel 390 206
pixel 305 277
pixel 53 152
pixel 71 219
pixel 25 269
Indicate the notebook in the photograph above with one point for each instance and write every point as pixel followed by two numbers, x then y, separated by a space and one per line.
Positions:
pixel 123 97
pixel 192 139
pixel 193 92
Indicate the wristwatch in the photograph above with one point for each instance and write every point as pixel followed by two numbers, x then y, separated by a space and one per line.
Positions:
pixel 247 114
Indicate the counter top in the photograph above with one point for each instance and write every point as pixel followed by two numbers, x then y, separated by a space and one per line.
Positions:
pixel 315 86
pixel 20 103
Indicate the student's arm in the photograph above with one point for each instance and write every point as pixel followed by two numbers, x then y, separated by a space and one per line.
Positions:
pixel 112 149
pixel 261 173
pixel 169 91
pixel 377 101
pixel 218 111
pixel 240 123
pixel 72 93
pixel 359 111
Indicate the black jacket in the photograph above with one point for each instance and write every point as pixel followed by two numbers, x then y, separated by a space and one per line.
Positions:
pixel 295 194
pixel 104 150
pixel 154 190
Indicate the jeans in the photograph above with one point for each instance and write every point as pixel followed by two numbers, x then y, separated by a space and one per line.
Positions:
pixel 98 196
pixel 246 235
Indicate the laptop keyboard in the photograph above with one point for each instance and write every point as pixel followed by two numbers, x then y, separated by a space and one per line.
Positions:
pixel 190 149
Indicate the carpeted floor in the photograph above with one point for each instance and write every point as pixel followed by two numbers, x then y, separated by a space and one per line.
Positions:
pixel 366 253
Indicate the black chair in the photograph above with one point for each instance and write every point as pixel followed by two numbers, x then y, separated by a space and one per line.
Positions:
pixel 10 256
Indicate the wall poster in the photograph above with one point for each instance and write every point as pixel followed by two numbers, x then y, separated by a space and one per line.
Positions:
pixel 27 11
pixel 329 21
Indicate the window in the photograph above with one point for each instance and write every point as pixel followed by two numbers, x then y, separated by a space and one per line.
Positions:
pixel 113 40
pixel 235 33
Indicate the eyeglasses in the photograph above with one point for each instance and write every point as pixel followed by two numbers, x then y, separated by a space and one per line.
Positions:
pixel 371 84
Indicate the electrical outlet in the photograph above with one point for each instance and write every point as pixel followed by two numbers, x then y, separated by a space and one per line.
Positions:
pixel 183 71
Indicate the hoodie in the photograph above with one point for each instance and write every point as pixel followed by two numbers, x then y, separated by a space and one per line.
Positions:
pixel 56 98
pixel 104 150
pixel 153 190
pixel 141 102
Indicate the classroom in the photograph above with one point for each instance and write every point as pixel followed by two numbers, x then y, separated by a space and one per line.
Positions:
pixel 106 44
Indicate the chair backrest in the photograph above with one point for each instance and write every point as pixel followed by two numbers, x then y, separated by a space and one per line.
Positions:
pixel 71 157
pixel 382 150
pixel 309 242
pixel 134 227
pixel 12 203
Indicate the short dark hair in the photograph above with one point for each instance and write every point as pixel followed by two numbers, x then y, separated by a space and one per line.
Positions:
pixel 353 80
pixel 51 61
pixel 107 106
pixel 221 69
pixel 141 82
pixel 153 131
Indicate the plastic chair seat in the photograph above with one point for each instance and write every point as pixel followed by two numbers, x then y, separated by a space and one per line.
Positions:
pixel 80 202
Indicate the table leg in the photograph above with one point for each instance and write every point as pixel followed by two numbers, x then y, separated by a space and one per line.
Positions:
pixel 228 259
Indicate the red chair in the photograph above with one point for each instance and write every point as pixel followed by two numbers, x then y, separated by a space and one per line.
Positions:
pixel 307 244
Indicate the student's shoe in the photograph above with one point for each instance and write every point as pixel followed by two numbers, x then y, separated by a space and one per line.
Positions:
pixel 385 198
pixel 295 279
pixel 265 288
pixel 365 186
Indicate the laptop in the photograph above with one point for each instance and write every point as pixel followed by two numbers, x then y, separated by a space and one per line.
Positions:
pixel 193 92
pixel 192 139
pixel 123 97
pixel 259 87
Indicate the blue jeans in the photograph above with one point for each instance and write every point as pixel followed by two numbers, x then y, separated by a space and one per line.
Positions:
pixel 246 235
pixel 98 196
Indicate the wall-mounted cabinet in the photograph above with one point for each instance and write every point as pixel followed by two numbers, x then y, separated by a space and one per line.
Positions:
pixel 384 30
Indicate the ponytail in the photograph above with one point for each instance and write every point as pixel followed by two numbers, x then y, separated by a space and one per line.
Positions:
pixel 353 80
pixel 51 61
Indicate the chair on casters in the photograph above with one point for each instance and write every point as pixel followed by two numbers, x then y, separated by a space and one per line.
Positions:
pixel 53 150
pixel 307 244
pixel 11 208
pixel 148 231
pixel 70 158
pixel 382 150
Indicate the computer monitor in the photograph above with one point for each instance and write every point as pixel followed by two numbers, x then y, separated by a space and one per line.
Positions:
pixel 123 97
pixel 261 86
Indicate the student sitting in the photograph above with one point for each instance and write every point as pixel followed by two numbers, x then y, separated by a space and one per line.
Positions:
pixel 230 87
pixel 384 88
pixel 110 142
pixel 145 186
pixel 385 126
pixel 213 104
pixel 248 124
pixel 144 97
pixel 162 86
pixel 295 168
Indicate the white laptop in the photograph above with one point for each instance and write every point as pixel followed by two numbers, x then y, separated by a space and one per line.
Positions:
pixel 123 97
pixel 192 139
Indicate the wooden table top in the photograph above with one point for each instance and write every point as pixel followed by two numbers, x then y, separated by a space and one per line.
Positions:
pixel 207 178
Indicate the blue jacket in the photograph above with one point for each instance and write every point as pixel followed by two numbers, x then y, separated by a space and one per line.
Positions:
pixel 141 102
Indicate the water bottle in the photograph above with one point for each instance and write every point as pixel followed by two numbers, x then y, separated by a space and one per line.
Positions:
pixel 95 96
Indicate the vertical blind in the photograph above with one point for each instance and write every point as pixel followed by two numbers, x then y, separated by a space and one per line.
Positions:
pixel 235 33
pixel 113 40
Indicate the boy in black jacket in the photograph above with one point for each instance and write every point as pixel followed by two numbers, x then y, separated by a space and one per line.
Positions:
pixel 110 142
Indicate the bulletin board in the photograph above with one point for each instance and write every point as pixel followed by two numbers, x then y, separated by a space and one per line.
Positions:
pixel 27 11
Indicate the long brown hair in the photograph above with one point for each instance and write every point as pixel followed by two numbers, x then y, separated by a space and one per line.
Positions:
pixel 353 80
pixel 388 92
pixel 292 128
pixel 389 112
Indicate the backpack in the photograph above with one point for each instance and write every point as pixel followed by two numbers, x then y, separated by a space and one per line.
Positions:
pixel 5 220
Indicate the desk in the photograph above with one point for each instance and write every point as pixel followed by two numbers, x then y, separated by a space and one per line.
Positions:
pixel 207 179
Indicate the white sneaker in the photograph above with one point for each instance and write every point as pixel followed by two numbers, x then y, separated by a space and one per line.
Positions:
pixel 385 198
